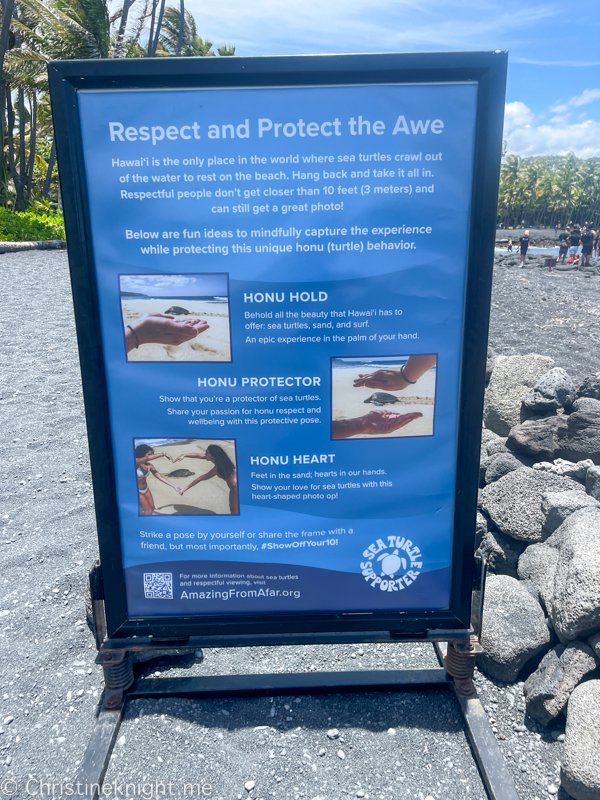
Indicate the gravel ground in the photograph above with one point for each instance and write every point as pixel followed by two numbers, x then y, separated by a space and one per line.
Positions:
pixel 383 746
pixel 554 313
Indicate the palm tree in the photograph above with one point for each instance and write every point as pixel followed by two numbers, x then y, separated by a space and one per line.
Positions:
pixel 183 40
pixel 546 189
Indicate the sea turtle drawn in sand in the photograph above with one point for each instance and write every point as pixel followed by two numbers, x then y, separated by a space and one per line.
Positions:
pixel 382 399
pixel 177 310
pixel 180 473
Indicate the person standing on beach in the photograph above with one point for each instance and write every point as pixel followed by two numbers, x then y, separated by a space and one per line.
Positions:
pixel 574 242
pixel 509 246
pixel 524 243
pixel 563 245
pixel 587 242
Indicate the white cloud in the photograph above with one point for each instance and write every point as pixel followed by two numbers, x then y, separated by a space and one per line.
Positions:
pixel 557 136
pixel 581 138
pixel 587 96
pixel 539 63
pixel 342 26
pixel 517 115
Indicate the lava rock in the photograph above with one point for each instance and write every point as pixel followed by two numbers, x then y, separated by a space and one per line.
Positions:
pixel 533 591
pixel 514 502
pixel 538 565
pixel 590 387
pixel 557 506
pixel 576 600
pixel 514 628
pixel 592 482
pixel 500 465
pixel 489 364
pixel 511 378
pixel 484 463
pixel 497 446
pixel 581 437
pixel 537 437
pixel 586 404
pixel 560 466
pixel 487 437
pixel 547 690
pixel 502 553
pixel 481 528
pixel 554 390
pixel 594 643
pixel 580 769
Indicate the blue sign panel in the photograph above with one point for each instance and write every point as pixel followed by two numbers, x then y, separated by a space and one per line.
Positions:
pixel 281 283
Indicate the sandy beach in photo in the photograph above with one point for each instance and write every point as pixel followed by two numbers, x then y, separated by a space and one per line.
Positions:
pixel 348 402
pixel 207 497
pixel 211 345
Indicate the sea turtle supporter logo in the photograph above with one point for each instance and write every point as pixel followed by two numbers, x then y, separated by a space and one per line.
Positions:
pixel 392 564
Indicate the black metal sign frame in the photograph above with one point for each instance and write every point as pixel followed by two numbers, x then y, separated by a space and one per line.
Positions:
pixel 488 70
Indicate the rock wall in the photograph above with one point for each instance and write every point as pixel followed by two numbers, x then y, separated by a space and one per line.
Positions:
pixel 538 525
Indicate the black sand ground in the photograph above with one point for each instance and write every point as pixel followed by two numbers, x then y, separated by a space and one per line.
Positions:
pixel 554 313
pixel 390 747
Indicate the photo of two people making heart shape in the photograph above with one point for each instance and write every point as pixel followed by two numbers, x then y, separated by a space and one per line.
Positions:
pixel 186 476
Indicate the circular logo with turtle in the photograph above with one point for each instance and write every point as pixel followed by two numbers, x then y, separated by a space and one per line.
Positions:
pixel 391 564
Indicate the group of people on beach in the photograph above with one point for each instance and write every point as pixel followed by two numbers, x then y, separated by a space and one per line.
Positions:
pixel 569 242
pixel 223 468
pixel 574 236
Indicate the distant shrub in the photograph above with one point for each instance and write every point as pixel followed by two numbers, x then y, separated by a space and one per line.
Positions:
pixel 27 226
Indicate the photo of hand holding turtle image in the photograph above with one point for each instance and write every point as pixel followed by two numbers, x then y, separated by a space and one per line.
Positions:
pixel 179 317
pixel 404 396
pixel 217 459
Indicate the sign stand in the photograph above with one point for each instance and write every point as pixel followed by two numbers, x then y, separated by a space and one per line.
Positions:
pixel 396 562
pixel 455 650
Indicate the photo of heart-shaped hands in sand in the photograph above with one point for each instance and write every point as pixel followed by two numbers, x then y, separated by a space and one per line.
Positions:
pixel 204 459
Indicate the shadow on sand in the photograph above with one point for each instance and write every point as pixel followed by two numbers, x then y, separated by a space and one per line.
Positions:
pixel 182 509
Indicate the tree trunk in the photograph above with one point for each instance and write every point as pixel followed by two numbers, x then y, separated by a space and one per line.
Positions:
pixel 149 54
pixel 20 204
pixel 181 26
pixel 158 27
pixel 49 171
pixel 7 12
pixel 119 48
pixel 32 142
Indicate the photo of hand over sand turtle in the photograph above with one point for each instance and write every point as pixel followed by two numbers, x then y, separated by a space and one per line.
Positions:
pixel 179 317
pixel 186 476
pixel 383 396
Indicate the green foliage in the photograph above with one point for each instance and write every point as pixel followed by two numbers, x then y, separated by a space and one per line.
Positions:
pixel 43 30
pixel 28 226
pixel 547 190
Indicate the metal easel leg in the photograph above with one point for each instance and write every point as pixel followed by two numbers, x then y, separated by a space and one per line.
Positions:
pixel 493 769
pixel 88 782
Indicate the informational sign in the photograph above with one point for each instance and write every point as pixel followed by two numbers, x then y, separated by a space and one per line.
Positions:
pixel 281 278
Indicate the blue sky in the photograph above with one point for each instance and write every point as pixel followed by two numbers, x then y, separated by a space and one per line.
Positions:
pixel 198 285
pixel 553 95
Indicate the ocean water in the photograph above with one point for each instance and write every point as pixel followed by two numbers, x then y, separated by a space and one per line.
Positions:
pixel 548 251
pixel 370 364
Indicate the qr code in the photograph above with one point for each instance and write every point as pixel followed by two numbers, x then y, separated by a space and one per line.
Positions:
pixel 158 585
